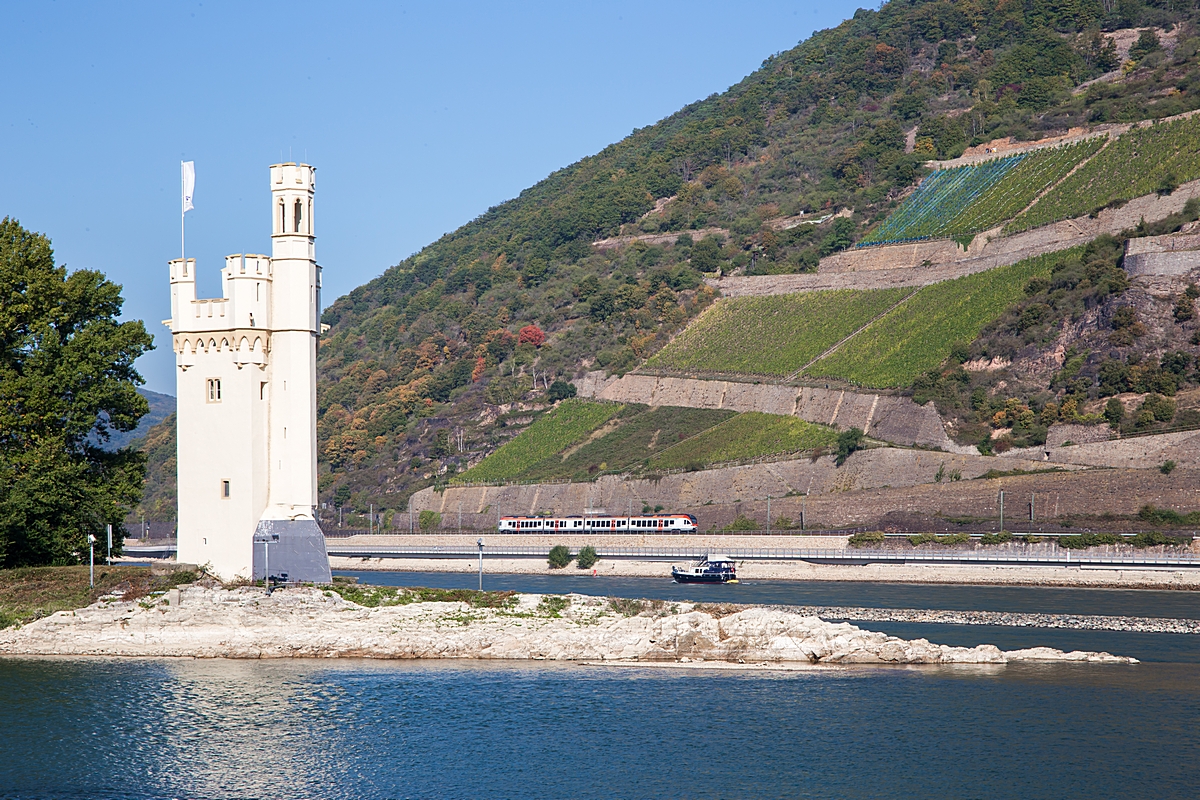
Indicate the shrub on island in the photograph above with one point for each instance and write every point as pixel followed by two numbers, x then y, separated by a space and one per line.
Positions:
pixel 587 557
pixel 560 556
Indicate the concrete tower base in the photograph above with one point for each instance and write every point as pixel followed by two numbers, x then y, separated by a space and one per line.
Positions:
pixel 293 550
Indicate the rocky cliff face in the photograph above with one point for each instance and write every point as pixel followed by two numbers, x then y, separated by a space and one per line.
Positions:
pixel 312 623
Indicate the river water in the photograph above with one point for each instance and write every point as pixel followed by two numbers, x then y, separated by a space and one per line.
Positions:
pixel 106 728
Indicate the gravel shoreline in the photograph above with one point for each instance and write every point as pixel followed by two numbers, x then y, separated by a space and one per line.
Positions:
pixel 1084 622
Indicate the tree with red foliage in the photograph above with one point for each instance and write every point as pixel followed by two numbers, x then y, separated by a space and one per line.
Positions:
pixel 531 334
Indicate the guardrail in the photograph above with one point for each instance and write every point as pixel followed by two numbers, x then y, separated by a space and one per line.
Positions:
pixel 1051 557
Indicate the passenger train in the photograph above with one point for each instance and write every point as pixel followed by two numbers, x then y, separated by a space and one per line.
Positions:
pixel 646 523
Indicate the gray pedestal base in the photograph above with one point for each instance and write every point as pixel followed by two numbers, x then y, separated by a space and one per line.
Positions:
pixel 292 549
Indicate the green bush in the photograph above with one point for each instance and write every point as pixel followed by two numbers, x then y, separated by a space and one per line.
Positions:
pixel 1168 517
pixel 919 539
pixel 742 523
pixel 429 520
pixel 996 538
pixel 560 390
pixel 1152 539
pixel 560 556
pixel 847 443
pixel 587 557
pixel 1167 467
pixel 866 539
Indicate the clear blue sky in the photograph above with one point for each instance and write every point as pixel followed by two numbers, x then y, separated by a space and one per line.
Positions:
pixel 418 117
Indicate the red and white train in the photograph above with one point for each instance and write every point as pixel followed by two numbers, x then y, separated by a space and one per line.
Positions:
pixel 645 523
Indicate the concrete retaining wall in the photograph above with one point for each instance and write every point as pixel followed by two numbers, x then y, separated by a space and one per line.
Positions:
pixel 987 251
pixel 885 417
pixel 1173 254
pixel 852 503
pixel 699 491
pixel 1139 452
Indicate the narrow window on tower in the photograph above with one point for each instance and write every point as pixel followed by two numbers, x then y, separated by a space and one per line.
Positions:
pixel 225 490
pixel 213 389
pixel 296 219
pixel 262 390
pixel 282 218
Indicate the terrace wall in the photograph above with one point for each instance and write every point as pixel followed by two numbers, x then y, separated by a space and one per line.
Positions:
pixel 902 264
pixel 885 417
pixel 728 486
pixel 716 498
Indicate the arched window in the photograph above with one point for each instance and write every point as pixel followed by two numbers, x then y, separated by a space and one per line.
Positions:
pixel 297 215
pixel 282 218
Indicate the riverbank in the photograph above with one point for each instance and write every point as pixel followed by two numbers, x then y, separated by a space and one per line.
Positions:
pixel 306 622
pixel 805 571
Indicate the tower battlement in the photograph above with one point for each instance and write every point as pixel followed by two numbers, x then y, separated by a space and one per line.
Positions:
pixel 246 381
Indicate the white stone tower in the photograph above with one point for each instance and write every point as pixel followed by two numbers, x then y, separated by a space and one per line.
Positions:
pixel 247 401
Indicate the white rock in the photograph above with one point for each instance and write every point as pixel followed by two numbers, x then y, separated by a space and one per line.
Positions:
pixel 310 623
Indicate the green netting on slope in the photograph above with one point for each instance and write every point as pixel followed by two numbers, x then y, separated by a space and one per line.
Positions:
pixel 967 200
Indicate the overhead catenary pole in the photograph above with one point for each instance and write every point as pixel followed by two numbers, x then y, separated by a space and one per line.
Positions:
pixel 480 543
pixel 1001 509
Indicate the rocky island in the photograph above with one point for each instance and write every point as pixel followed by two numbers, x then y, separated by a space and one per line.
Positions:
pixel 380 622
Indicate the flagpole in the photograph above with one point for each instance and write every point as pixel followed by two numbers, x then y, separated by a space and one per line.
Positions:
pixel 182 212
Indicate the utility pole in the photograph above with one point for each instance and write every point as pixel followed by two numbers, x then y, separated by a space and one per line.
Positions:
pixel 460 515
pixel 1032 507
pixel 91 560
pixel 109 559
pixel 803 508
pixel 768 513
pixel 370 518
pixel 480 543
pixel 1002 509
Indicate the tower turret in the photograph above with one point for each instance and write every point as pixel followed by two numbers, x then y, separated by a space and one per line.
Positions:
pixel 247 457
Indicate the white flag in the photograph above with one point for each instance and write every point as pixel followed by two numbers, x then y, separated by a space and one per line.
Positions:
pixel 188 169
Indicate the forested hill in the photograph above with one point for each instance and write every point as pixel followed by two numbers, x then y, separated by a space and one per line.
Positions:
pixel 422 366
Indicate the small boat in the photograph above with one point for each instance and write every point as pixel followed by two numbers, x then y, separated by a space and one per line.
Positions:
pixel 710 569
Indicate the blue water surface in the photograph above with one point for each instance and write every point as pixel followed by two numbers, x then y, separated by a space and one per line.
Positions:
pixel 359 729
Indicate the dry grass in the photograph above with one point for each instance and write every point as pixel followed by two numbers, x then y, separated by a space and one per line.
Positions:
pixel 719 610
pixel 29 593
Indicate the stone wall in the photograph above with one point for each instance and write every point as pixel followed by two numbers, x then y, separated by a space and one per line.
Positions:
pixel 1139 452
pixel 986 251
pixel 855 503
pixel 885 417
pixel 1170 255
pixel 713 494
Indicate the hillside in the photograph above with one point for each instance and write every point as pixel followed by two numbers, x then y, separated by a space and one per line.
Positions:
pixel 451 352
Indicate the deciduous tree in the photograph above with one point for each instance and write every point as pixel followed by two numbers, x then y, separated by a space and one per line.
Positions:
pixel 67 379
